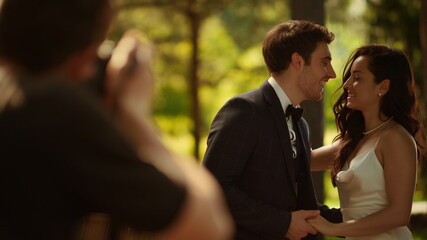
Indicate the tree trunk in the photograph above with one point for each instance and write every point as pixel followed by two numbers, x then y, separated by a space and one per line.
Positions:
pixel 313 10
pixel 423 36
pixel 195 22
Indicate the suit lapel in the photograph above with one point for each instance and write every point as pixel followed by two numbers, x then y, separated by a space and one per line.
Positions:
pixel 306 196
pixel 302 143
pixel 278 115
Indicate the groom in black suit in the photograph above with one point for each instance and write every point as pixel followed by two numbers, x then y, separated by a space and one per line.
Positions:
pixel 258 146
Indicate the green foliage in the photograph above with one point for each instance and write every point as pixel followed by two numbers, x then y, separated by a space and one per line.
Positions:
pixel 420 234
pixel 215 42
pixel 341 15
pixel 338 10
pixel 396 23
pixel 169 34
pixel 247 21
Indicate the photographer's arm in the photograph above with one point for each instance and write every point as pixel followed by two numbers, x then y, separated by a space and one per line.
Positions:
pixel 203 215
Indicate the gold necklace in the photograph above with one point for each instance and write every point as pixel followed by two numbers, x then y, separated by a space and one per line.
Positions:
pixel 379 126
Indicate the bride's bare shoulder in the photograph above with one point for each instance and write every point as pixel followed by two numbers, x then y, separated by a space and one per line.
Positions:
pixel 397 139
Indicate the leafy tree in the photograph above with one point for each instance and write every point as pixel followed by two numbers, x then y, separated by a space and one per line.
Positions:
pixel 195 12
pixel 247 21
pixel 397 23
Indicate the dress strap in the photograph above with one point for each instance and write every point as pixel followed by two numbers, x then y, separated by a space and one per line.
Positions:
pixel 377 141
pixel 379 138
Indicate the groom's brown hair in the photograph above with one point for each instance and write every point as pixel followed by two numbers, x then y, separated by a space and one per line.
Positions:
pixel 293 36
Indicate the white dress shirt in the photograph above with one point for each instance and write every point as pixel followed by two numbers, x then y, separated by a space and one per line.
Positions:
pixel 285 102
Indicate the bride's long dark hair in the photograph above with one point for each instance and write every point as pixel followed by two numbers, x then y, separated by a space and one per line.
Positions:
pixel 399 102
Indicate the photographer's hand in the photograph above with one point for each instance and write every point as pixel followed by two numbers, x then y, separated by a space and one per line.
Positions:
pixel 129 78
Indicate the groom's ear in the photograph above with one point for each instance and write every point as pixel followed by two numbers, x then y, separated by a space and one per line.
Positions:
pixel 384 86
pixel 297 62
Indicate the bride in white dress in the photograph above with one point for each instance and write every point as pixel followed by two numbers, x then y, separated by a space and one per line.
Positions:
pixel 374 158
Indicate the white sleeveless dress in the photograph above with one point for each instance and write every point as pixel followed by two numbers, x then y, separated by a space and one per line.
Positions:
pixel 361 189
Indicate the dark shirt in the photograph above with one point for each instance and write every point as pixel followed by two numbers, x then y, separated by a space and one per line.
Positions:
pixel 61 157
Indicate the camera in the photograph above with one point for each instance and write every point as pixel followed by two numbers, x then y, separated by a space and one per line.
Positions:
pixel 97 83
pixel 136 55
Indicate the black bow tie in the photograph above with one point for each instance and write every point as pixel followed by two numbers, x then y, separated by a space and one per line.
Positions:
pixel 296 113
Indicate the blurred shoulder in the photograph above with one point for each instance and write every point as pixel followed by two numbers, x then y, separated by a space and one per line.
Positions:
pixel 58 95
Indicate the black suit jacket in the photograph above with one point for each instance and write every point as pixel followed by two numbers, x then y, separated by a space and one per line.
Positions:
pixel 250 154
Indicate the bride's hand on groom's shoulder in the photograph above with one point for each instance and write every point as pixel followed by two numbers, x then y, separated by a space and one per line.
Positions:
pixel 323 226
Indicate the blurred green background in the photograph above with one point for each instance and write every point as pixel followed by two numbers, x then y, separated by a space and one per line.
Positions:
pixel 210 50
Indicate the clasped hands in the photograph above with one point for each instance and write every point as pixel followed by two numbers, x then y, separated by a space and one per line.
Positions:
pixel 306 222
pixel 322 225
